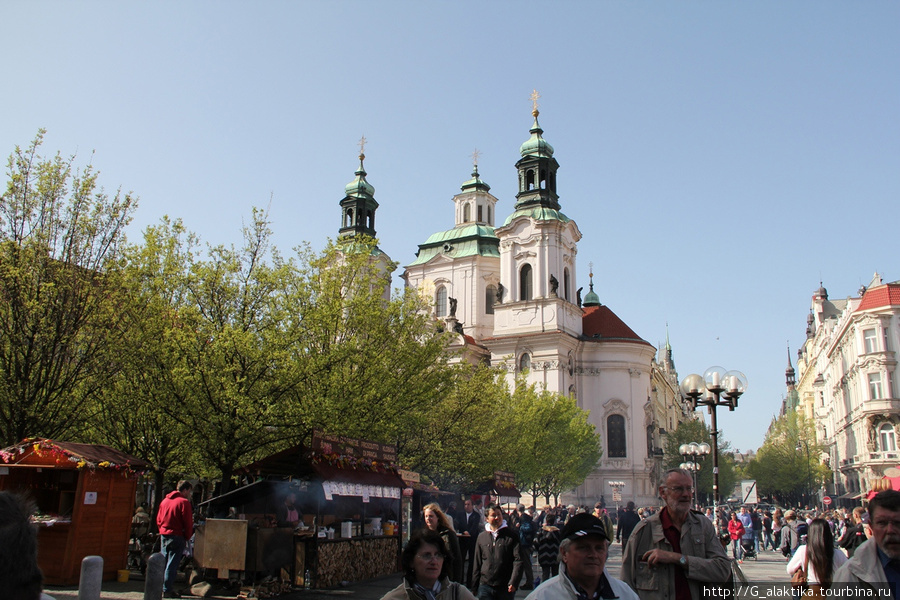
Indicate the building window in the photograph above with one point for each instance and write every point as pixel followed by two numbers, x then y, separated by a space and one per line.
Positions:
pixel 480 220
pixel 875 389
pixel 440 302
pixel 490 221
pixel 615 435
pixel 887 438
pixel 869 339
pixel 566 284
pixel 524 362
pixel 490 296
pixel 525 289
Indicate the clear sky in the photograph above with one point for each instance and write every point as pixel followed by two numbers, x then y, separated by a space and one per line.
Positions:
pixel 720 158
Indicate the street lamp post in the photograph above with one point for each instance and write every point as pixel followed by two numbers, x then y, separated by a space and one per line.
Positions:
pixel 717 387
pixel 808 471
pixel 691 454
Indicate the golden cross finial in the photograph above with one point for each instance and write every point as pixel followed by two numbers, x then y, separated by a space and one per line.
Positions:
pixel 534 100
pixel 362 146
pixel 475 156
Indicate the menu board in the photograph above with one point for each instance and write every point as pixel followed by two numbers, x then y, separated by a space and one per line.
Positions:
pixel 324 443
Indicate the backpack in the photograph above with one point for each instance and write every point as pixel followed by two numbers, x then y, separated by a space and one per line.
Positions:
pixel 526 533
pixel 802 529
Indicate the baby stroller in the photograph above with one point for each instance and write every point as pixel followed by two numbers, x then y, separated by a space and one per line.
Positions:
pixel 748 548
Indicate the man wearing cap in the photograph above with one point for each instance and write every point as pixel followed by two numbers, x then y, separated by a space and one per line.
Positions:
pixel 583 553
pixel 876 563
pixel 675 552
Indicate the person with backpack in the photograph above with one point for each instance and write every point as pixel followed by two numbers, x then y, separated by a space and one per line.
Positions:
pixel 527 533
pixel 547 543
pixel 791 534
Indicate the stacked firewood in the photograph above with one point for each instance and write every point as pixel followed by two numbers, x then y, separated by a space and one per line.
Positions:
pixel 355 561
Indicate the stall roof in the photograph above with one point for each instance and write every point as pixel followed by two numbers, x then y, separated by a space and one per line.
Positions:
pixel 243 495
pixel 299 462
pixel 72 455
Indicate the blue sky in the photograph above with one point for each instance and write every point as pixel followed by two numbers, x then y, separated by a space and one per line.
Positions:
pixel 720 158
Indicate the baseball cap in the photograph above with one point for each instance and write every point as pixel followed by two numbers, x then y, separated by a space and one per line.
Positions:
pixel 581 525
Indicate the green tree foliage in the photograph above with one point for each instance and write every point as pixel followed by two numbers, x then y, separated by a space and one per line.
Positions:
pixel 135 410
pixel 556 447
pixel 59 241
pixel 698 431
pixel 782 468
pixel 447 440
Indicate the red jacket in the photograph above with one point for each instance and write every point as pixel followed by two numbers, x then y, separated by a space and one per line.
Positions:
pixel 175 516
pixel 735 529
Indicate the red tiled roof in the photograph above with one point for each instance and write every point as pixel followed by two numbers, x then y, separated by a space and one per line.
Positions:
pixel 881 296
pixel 601 322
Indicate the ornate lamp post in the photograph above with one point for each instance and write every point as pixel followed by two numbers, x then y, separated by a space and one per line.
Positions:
pixel 808 471
pixel 717 387
pixel 691 454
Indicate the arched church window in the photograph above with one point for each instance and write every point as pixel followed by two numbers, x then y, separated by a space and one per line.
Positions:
pixel 440 302
pixel 370 220
pixel 615 436
pixel 490 220
pixel 552 179
pixel 566 283
pixel 526 291
pixel 348 218
pixel 490 296
pixel 887 438
pixel 466 211
pixel 524 362
pixel 543 179
pixel 480 217
pixel 529 179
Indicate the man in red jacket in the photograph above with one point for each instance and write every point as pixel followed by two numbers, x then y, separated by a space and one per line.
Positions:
pixel 175 520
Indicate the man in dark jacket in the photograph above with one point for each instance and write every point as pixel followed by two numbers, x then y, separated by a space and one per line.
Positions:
pixel 855 535
pixel 468 528
pixel 627 522
pixel 498 559
pixel 175 520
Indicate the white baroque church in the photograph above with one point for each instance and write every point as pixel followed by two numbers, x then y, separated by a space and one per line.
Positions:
pixel 511 293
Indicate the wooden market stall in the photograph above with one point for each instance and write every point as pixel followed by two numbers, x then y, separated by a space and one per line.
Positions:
pixel 85 500
pixel 501 489
pixel 348 499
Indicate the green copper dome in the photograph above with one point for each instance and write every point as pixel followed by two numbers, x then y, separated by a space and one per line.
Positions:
pixel 536 145
pixel 359 187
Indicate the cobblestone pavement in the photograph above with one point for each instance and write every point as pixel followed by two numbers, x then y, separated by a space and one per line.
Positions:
pixel 770 566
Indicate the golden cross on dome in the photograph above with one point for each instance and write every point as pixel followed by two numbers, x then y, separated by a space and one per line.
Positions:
pixel 362 145
pixel 534 100
pixel 475 156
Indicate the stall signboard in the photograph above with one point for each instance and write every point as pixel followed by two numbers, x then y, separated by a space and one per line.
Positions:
pixel 340 488
pixel 324 443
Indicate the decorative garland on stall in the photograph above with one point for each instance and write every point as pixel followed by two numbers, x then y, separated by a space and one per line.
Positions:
pixel 46 448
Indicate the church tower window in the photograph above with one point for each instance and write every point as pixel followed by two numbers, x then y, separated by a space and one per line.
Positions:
pixel 526 291
pixel 480 219
pixel 615 436
pixel 440 302
pixel 466 213
pixel 566 284
pixel 524 362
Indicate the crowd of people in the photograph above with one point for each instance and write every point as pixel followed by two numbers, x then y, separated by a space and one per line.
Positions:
pixel 671 552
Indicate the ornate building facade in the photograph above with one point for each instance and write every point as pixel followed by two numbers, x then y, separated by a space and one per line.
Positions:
pixel 511 292
pixel 846 382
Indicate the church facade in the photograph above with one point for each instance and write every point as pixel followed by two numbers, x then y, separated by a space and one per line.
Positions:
pixel 510 290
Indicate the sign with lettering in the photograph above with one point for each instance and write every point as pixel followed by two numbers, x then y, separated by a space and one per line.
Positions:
pixel 324 443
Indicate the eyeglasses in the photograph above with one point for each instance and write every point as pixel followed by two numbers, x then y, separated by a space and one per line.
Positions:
pixel 428 556
pixel 680 489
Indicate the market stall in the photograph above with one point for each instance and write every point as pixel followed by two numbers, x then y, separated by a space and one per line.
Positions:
pixel 417 494
pixel 500 489
pixel 85 500
pixel 346 494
